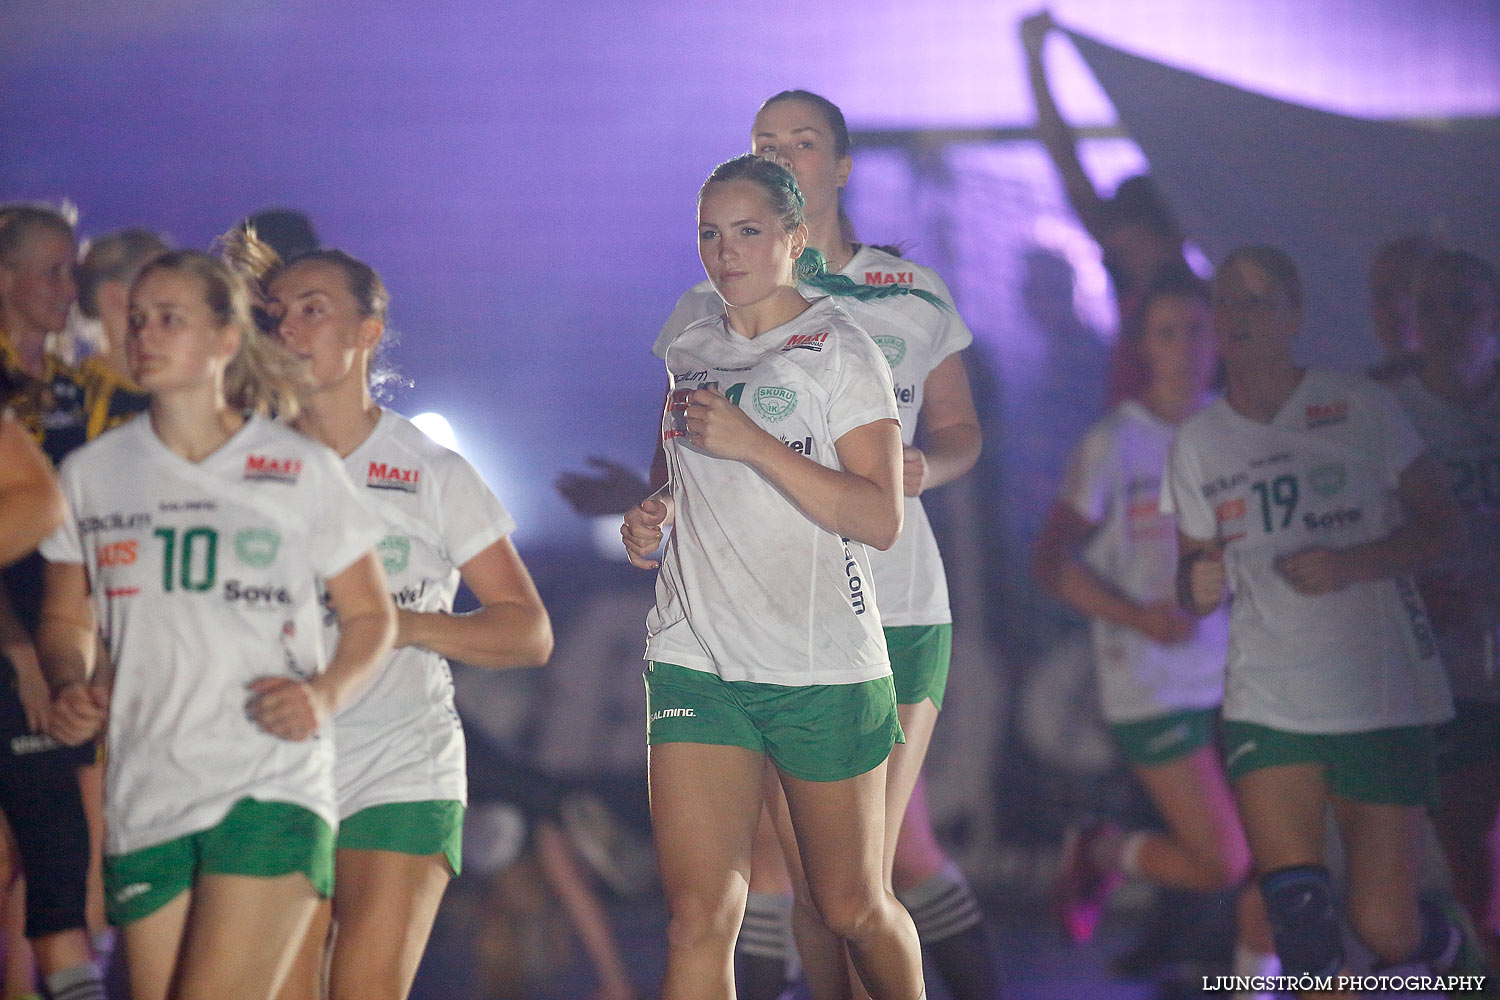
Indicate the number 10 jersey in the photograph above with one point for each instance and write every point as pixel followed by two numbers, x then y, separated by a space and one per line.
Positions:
pixel 206 576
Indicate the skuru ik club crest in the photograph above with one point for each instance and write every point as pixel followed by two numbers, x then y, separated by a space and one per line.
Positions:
pixel 894 349
pixel 1328 480
pixel 257 546
pixel 775 403
pixel 395 553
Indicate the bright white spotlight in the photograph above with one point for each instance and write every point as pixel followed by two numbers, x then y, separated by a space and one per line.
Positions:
pixel 436 426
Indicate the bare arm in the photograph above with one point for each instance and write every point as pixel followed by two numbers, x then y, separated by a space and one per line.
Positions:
pixel 951 437
pixel 293 709
pixel 863 502
pixel 1056 135
pixel 1057 565
pixel 642 530
pixel 66 643
pixel 30 504
pixel 510 629
pixel 1202 578
pixel 1433 527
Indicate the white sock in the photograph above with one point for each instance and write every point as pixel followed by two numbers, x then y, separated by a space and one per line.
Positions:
pixel 1130 852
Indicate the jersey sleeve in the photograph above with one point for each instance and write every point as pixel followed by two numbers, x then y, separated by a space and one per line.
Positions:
pixel 341 526
pixel 1090 480
pixel 1183 497
pixel 862 390
pixel 694 305
pixel 1399 443
pixel 950 333
pixel 473 518
pixel 65 544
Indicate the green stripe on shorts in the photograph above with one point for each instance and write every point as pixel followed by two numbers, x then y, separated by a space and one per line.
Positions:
pixel 421 828
pixel 821 732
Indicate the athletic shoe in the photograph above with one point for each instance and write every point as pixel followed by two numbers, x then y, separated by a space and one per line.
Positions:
pixel 1082 886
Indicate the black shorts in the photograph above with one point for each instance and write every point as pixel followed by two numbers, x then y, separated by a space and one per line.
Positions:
pixel 40 799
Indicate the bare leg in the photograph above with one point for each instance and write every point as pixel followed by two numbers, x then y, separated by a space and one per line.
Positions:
pixel 20 965
pixel 241 936
pixel 308 977
pixel 151 947
pixel 825 962
pixel 903 768
pixel 705 801
pixel 1204 847
pixel 840 828
pixel 91 788
pixel 1383 845
pixel 1283 812
pixel 384 904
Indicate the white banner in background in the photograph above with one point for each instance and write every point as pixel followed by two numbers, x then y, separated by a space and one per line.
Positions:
pixel 1239 167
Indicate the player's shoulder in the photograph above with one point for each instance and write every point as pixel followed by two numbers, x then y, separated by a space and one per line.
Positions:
pixel 121 446
pixel 693 307
pixel 404 441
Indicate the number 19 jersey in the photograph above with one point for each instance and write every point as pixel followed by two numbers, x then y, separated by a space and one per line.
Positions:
pixel 206 576
pixel 1322 473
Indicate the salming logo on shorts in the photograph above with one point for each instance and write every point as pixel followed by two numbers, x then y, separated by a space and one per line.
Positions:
pixel 674 713
pixel 1248 746
pixel 131 891
pixel 1179 733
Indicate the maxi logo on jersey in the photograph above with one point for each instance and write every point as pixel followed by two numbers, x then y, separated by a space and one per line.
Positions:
pixel 276 470
pixel 890 277
pixel 806 342
pixel 387 477
pixel 1324 414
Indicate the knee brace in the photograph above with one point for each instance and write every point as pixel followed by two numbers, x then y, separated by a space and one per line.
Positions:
pixel 1304 921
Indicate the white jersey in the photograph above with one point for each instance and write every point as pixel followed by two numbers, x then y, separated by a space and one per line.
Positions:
pixel 749 587
pixel 1114 482
pixel 915 337
pixel 1467 442
pixel 1323 472
pixel 399 739
pixel 206 576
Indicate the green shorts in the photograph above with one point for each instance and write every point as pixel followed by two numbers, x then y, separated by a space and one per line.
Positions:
pixel 1380 766
pixel 259 839
pixel 421 828
pixel 1471 738
pixel 919 661
pixel 823 732
pixel 1165 738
